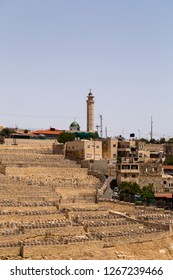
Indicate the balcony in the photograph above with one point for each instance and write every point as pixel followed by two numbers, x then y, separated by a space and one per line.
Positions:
pixel 124 149
pixel 128 168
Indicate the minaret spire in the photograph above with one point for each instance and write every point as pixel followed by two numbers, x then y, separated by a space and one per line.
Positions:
pixel 90 112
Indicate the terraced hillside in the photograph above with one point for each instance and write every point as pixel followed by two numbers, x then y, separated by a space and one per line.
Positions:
pixel 48 211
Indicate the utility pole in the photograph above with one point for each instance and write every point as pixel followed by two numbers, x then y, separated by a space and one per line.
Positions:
pixel 97 126
pixel 151 128
pixel 139 133
pixel 106 134
pixel 101 126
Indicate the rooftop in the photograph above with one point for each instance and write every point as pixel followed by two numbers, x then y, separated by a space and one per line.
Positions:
pixel 47 132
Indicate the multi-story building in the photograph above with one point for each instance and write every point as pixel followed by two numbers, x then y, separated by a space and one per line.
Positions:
pixel 128 171
pixel 84 149
pixel 150 174
pixel 151 152
pixel 167 177
pixel 139 162
pixel 129 160
pixel 110 148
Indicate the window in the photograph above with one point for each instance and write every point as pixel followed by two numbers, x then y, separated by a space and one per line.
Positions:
pixel 114 145
pixel 134 167
pixel 125 166
pixel 114 155
pixel 88 146
pixel 133 175
pixel 97 147
pixel 89 155
pixel 97 156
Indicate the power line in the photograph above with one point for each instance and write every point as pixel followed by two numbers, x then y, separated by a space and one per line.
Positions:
pixel 42 116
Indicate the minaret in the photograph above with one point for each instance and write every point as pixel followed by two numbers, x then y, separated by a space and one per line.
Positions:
pixel 90 112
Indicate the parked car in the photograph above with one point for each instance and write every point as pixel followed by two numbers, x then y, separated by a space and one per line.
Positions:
pixel 115 195
pixel 115 189
pixel 137 196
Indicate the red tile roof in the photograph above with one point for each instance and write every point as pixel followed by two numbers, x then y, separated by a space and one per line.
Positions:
pixel 47 132
pixel 22 133
pixel 170 167
pixel 164 194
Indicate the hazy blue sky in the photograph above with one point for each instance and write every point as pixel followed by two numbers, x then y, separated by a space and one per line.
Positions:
pixel 53 51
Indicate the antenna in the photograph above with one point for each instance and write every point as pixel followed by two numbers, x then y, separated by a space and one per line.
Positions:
pixel 101 126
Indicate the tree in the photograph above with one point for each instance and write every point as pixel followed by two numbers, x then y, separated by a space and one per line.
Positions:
pixel 64 137
pixel 153 141
pixel 6 132
pixel 144 140
pixel 147 193
pixel 170 140
pixel 162 140
pixel 168 160
pixel 129 190
pixel 168 151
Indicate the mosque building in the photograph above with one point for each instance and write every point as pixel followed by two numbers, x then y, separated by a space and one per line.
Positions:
pixel 74 126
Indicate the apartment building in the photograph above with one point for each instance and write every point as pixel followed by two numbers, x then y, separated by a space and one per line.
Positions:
pixel 140 162
pixel 129 160
pixel 84 149
pixel 128 171
pixel 151 152
pixel 167 177
pixel 110 148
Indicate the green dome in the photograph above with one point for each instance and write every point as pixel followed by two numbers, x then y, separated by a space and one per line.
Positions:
pixel 74 124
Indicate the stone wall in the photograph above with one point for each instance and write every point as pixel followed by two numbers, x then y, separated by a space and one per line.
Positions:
pixel 168 149
pixel 58 149
pixel 150 173
pixel 2 169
